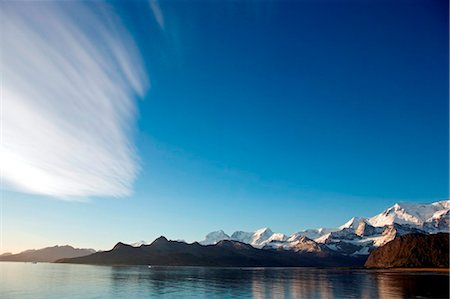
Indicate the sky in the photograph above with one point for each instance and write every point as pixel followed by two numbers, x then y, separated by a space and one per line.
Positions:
pixel 124 121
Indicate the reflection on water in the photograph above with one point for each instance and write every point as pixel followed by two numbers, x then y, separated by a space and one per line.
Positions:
pixel 24 280
pixel 412 285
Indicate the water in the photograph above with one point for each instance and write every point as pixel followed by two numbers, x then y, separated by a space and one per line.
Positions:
pixel 26 280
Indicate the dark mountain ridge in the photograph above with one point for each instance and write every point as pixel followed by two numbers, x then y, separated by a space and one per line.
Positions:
pixel 412 251
pixel 225 253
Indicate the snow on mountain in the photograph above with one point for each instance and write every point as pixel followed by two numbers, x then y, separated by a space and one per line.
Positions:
pixel 215 237
pixel 261 235
pixel 323 239
pixel 361 235
pixel 412 214
pixel 355 237
pixel 139 243
pixel 277 237
pixel 439 223
pixel 244 237
pixel 264 235
pixel 305 244
pixel 311 233
pixel 352 223
pixel 364 229
pixel 257 239
pixel 365 238
pixel 300 244
pixel 438 215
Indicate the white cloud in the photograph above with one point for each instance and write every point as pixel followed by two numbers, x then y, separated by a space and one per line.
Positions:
pixel 157 13
pixel 70 76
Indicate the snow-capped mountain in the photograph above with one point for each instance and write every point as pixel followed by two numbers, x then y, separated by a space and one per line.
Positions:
pixel 364 238
pixel 263 236
pixel 311 233
pixel 352 223
pixel 241 236
pixel 215 237
pixel 257 239
pixel 362 235
pixel 299 244
pixel 358 236
pixel 412 214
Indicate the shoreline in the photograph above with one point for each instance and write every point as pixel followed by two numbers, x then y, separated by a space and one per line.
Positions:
pixel 440 270
pixel 447 270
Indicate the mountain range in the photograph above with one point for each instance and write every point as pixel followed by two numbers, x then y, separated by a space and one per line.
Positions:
pixel 348 245
pixel 48 254
pixel 358 236
pixel 225 253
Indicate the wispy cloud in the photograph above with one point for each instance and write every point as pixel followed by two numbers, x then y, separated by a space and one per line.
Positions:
pixel 70 76
pixel 157 13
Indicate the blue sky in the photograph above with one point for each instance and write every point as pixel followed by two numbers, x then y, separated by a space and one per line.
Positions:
pixel 286 114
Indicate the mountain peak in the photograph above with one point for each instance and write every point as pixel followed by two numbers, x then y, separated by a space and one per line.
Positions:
pixel 264 230
pixel 233 244
pixel 218 232
pixel 215 237
pixel 410 213
pixel 304 239
pixel 352 223
pixel 161 239
pixel 121 245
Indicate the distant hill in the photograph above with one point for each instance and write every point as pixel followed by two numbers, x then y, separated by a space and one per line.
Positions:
pixel 48 254
pixel 224 254
pixel 412 251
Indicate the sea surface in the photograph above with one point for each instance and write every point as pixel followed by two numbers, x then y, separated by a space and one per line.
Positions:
pixel 43 280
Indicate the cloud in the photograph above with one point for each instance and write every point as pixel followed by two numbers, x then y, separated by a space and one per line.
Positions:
pixel 157 13
pixel 70 76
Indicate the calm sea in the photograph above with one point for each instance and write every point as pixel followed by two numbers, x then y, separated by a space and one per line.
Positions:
pixel 26 280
